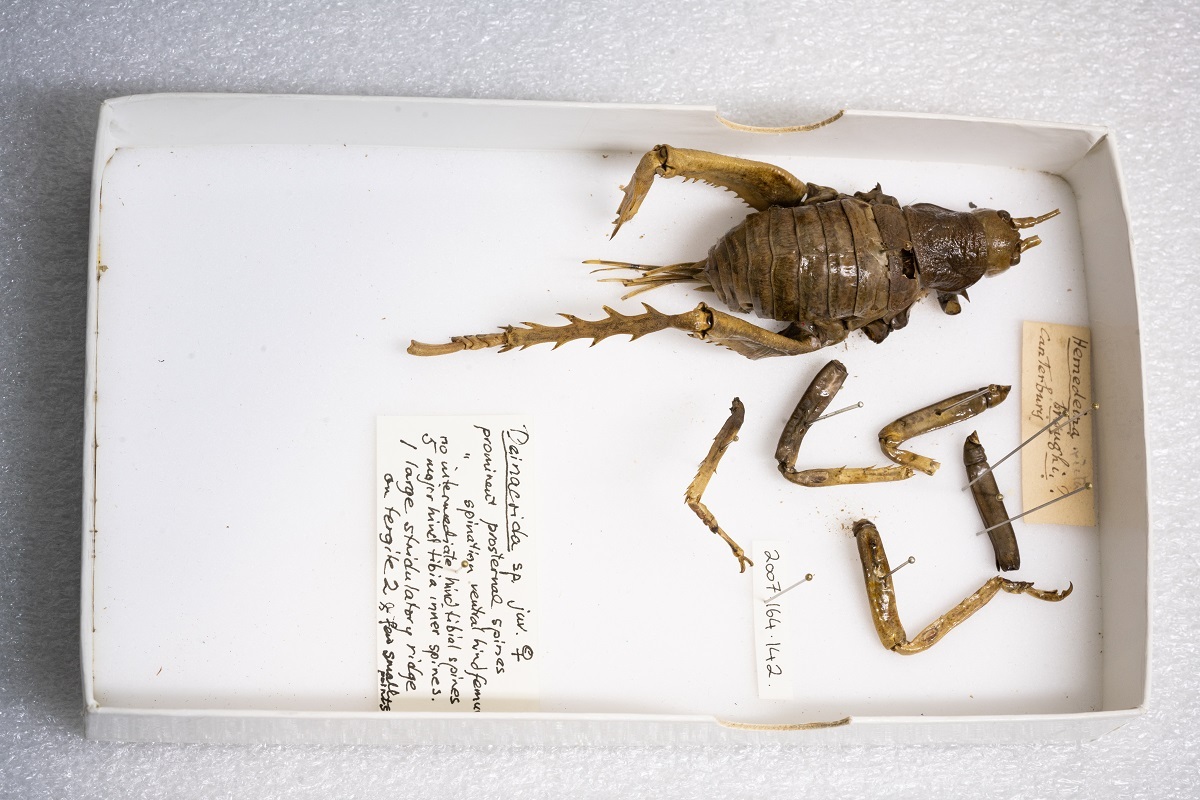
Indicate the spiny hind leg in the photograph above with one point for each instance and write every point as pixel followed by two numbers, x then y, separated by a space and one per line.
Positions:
pixel 703 322
pixel 759 184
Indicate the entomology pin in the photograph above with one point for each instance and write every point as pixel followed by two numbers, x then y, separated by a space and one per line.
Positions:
pixel 1077 415
pixel 1052 425
pixel 903 564
pixel 859 404
pixel 958 403
pixel 1038 508
pixel 800 582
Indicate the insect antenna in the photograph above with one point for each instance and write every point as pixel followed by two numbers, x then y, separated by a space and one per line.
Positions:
pixel 1029 222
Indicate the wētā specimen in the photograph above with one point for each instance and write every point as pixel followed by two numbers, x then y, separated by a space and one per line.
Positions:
pixel 823 262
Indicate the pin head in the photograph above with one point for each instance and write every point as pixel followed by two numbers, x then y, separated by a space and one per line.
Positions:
pixel 808 577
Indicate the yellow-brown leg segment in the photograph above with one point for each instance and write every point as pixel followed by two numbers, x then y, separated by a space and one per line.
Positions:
pixel 881 595
pixel 708 467
pixel 759 184
pixel 934 417
pixel 703 322
pixel 816 398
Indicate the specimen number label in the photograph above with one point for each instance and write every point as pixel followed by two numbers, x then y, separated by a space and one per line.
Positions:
pixel 774 573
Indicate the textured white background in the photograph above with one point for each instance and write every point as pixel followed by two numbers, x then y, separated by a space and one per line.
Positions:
pixel 1131 66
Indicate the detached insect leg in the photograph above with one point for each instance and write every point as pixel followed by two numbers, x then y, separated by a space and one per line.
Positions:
pixel 990 504
pixel 934 417
pixel 881 595
pixel 708 467
pixel 816 398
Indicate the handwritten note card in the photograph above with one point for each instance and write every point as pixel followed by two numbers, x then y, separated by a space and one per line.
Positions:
pixel 1056 377
pixel 456 567
pixel 773 573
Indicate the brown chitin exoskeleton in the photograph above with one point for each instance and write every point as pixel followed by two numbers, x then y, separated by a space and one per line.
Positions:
pixel 823 263
pixel 708 467
pixel 881 595
pixel 990 503
pixel 820 393
pixel 933 417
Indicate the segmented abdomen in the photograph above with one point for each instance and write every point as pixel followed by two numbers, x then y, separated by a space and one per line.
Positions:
pixel 836 260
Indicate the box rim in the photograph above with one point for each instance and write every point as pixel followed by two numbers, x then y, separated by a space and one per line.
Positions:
pixel 103 150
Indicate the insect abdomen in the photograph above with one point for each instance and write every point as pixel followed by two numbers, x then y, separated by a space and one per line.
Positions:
pixel 822 261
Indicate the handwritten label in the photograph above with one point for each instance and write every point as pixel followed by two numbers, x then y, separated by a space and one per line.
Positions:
pixel 1056 377
pixel 772 575
pixel 455 573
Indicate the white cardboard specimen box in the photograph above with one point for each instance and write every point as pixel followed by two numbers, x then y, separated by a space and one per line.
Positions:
pixel 259 265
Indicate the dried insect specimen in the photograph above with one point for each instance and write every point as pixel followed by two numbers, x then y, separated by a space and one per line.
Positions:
pixel 820 393
pixel 725 437
pixel 823 262
pixel 933 417
pixel 881 595
pixel 990 503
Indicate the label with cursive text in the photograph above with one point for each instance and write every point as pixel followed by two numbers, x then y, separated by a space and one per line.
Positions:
pixel 1056 379
pixel 773 574
pixel 456 567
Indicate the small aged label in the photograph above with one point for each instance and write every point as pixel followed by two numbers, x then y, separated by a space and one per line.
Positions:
pixel 773 574
pixel 456 566
pixel 1056 378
